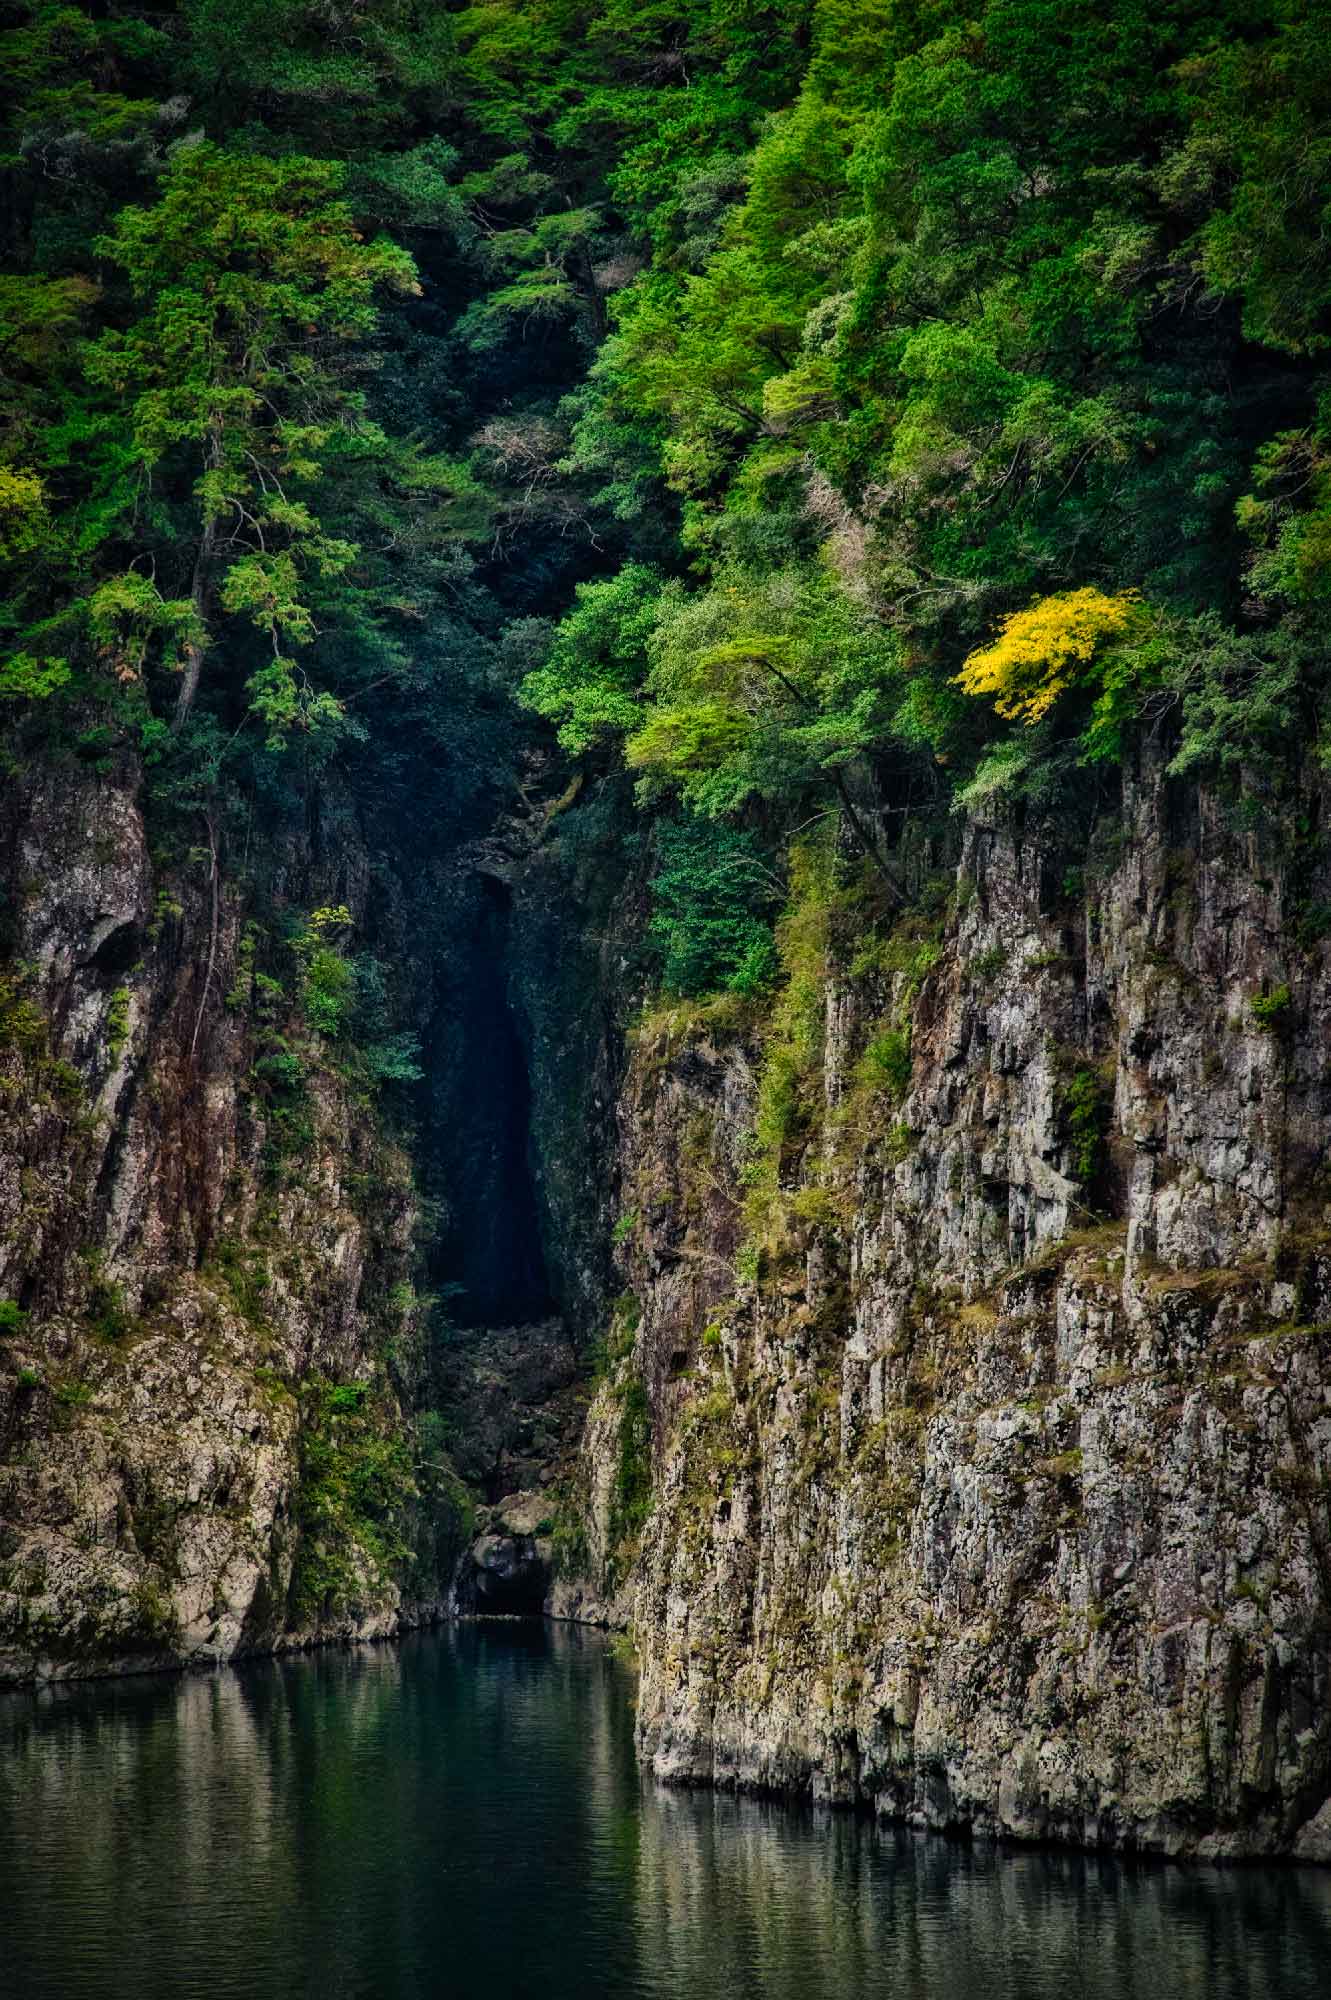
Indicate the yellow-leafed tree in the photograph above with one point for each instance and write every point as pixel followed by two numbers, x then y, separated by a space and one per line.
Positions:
pixel 1044 650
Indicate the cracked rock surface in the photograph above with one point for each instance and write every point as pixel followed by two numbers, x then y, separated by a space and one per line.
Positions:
pixel 995 1500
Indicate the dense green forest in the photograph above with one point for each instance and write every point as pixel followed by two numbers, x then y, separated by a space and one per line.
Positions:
pixel 794 406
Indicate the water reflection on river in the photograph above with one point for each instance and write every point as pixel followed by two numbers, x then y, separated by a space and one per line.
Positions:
pixel 460 1816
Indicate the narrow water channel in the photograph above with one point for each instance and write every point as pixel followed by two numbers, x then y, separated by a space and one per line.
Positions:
pixel 459 1817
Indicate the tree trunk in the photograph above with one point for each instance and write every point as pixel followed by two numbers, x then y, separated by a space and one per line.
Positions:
pixel 848 806
pixel 214 881
pixel 870 846
pixel 194 650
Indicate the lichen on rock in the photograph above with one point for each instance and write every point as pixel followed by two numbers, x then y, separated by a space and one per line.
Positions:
pixel 991 1484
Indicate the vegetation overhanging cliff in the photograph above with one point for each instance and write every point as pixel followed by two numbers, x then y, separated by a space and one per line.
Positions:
pixel 664 669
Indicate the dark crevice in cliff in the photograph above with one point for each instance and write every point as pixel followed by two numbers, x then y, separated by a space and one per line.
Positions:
pixel 488 1255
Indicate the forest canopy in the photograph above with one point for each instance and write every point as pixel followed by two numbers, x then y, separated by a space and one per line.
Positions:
pixel 791 406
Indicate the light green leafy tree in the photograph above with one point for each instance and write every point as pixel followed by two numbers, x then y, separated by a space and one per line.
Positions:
pixel 253 296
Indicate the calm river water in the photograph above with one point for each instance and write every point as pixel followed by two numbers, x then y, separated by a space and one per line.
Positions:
pixel 460 1816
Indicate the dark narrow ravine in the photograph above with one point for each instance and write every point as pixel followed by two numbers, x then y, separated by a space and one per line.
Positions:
pixel 489 1253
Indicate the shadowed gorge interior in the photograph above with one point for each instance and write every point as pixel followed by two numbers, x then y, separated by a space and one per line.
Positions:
pixel 488 1256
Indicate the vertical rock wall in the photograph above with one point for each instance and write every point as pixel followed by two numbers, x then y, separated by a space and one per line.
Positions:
pixel 963 1450
pixel 210 1346
pixel 993 1491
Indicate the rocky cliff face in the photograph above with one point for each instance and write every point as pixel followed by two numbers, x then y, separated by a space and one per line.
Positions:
pixel 251 1391
pixel 964 1447
pixel 212 1345
pixel 960 1444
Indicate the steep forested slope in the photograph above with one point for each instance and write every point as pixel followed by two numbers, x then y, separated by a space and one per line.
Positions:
pixel 935 391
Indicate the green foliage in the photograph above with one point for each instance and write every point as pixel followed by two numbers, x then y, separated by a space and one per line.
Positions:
pixel 23 1026
pixel 246 1276
pixel 900 1144
pixel 760 688
pixel 23 678
pixel 341 1002
pixel 631 1488
pixel 25 1031
pixel 713 895
pixel 12 1318
pixel 1261 138
pixel 246 276
pixel 117 1020
pixel 356 1491
pixel 986 965
pixel 790 1097
pixel 198 503
pixel 1287 515
pixel 393 1059
pixel 326 82
pixel 886 1062
pixel 1271 1011
pixel 327 979
pixel 617 1344
pixel 153 1614
pixel 787 370
pixel 1241 697
pixel 108 1315
pixel 589 683
pixel 1086 1105
pixel 944 363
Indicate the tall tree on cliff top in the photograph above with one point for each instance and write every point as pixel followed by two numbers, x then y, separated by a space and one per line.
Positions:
pixel 254 295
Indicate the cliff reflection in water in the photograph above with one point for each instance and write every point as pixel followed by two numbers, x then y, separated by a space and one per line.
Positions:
pixel 461 1816
pixel 739 1896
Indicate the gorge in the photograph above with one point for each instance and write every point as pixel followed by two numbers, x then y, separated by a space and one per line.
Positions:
pixel 664 884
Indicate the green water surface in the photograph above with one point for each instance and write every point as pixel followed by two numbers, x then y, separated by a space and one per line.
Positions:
pixel 459 1815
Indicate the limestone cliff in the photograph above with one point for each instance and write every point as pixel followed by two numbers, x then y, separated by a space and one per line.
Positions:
pixel 960 1435
pixel 964 1443
pixel 212 1345
pixel 301 1111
